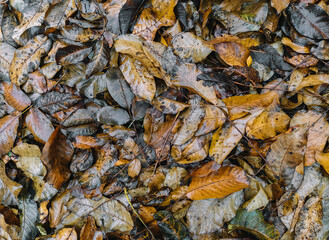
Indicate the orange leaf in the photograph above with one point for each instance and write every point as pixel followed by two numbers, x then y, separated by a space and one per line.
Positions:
pixel 8 131
pixel 39 125
pixel 226 180
pixel 15 97
pixel 56 156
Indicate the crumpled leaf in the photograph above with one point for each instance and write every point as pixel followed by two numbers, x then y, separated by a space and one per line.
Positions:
pixel 9 189
pixel 56 156
pixel 8 231
pixel 218 184
pixel 27 58
pixel 206 216
pixel 187 45
pixel 309 20
pixel 253 222
pixel 194 150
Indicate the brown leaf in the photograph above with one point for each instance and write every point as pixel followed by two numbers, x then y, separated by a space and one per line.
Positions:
pixel 39 125
pixel 72 54
pixel 89 230
pixel 15 97
pixel 280 5
pixel 8 132
pixel 151 19
pixel 239 106
pixel 140 80
pixel 56 156
pixel 187 77
pixel 218 184
pixel 233 53
pixel 27 58
pixel 187 45
pixel 286 153
pixel 134 168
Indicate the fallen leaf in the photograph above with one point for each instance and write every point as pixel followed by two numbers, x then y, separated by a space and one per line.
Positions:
pixel 27 58
pixel 8 132
pixel 232 53
pixel 56 156
pixel 218 184
pixel 187 77
pixel 39 125
pixel 187 45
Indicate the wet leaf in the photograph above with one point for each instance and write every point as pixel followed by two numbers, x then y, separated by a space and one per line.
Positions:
pixel 100 58
pixel 6 55
pixel 187 77
pixel 56 156
pixel 39 125
pixel 309 20
pixel 151 19
pixel 206 216
pixel 29 216
pixel 253 222
pixel 33 16
pixel 59 13
pixel 140 80
pixel 286 153
pixel 218 184
pixel 170 227
pixel 15 97
pixel 280 5
pixel 187 45
pixel 8 131
pixel 233 53
pixel 113 116
pixel 225 139
pixel 267 125
pixel 72 54
pixel 9 189
pixel 119 88
pixel 268 56
pixel 313 80
pixel 27 58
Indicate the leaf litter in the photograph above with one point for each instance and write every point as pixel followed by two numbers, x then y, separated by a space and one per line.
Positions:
pixel 173 119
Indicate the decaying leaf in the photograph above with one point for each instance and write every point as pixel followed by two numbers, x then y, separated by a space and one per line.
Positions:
pixel 8 131
pixel 27 59
pixel 206 216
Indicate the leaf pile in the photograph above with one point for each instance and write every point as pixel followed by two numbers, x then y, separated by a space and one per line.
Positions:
pixel 173 119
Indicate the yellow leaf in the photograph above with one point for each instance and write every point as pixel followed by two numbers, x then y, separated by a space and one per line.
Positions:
pixel 267 125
